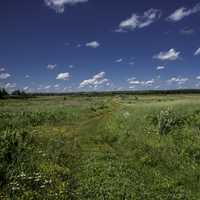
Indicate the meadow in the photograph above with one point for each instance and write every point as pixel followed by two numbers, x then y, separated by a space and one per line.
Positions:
pixel 122 147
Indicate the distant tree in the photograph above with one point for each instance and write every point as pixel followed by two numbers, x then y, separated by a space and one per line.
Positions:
pixel 16 93
pixel 3 93
pixel 20 94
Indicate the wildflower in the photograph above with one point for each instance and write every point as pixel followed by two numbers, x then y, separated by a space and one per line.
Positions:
pixel 23 175
pixel 126 114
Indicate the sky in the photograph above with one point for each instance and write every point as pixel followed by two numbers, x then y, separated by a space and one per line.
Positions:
pixel 99 45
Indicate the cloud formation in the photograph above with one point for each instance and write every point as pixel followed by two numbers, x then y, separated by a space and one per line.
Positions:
pixel 51 67
pixel 2 69
pixel 178 80
pixel 26 88
pixel 160 67
pixel 119 60
pixel 95 81
pixel 197 52
pixel 171 55
pixel 10 85
pixel 27 76
pixel 183 12
pixel 4 76
pixel 93 44
pixel 59 5
pixel 133 81
pixel 137 21
pixel 63 76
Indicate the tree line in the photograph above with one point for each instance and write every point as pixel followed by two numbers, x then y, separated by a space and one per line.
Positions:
pixel 22 94
pixel 14 94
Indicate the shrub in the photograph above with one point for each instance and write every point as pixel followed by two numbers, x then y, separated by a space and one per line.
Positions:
pixel 168 120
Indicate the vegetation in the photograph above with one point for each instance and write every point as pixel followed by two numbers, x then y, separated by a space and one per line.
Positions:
pixel 100 147
pixel 3 93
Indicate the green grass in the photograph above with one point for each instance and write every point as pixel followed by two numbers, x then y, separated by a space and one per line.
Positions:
pixel 99 148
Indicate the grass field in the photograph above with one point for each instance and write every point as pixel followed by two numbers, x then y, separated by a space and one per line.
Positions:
pixel 100 148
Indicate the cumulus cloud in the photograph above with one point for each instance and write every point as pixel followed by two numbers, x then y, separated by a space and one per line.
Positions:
pixel 137 21
pixel 2 69
pixel 51 67
pixel 178 80
pixel 198 77
pixel 119 60
pixel 59 5
pixel 171 55
pixel 197 52
pixel 160 67
pixel 131 80
pixel 63 76
pixel 183 12
pixel 93 44
pixel 4 76
pixel 95 81
pixel 134 81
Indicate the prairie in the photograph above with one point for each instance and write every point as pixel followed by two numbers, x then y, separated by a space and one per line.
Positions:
pixel 118 147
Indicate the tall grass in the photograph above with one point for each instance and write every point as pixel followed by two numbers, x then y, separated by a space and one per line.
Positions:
pixel 105 148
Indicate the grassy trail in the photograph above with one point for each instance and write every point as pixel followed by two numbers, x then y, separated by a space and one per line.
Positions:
pixel 109 148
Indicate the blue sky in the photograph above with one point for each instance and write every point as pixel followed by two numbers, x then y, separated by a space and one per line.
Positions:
pixel 81 45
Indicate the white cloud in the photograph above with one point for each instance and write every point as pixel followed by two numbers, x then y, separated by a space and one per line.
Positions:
pixel 47 87
pixel 51 67
pixel 160 67
pixel 168 55
pixel 132 87
pixel 93 44
pixel 56 86
pixel 63 76
pixel 59 5
pixel 10 85
pixel 198 77
pixel 26 88
pixel 182 12
pixel 137 21
pixel 119 60
pixel 132 63
pixel 95 81
pixel 27 76
pixel 197 52
pixel 4 76
pixel 178 80
pixel 133 81
pixel 150 82
pixel 2 69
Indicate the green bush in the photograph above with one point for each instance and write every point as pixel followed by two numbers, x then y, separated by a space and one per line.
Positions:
pixel 168 120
